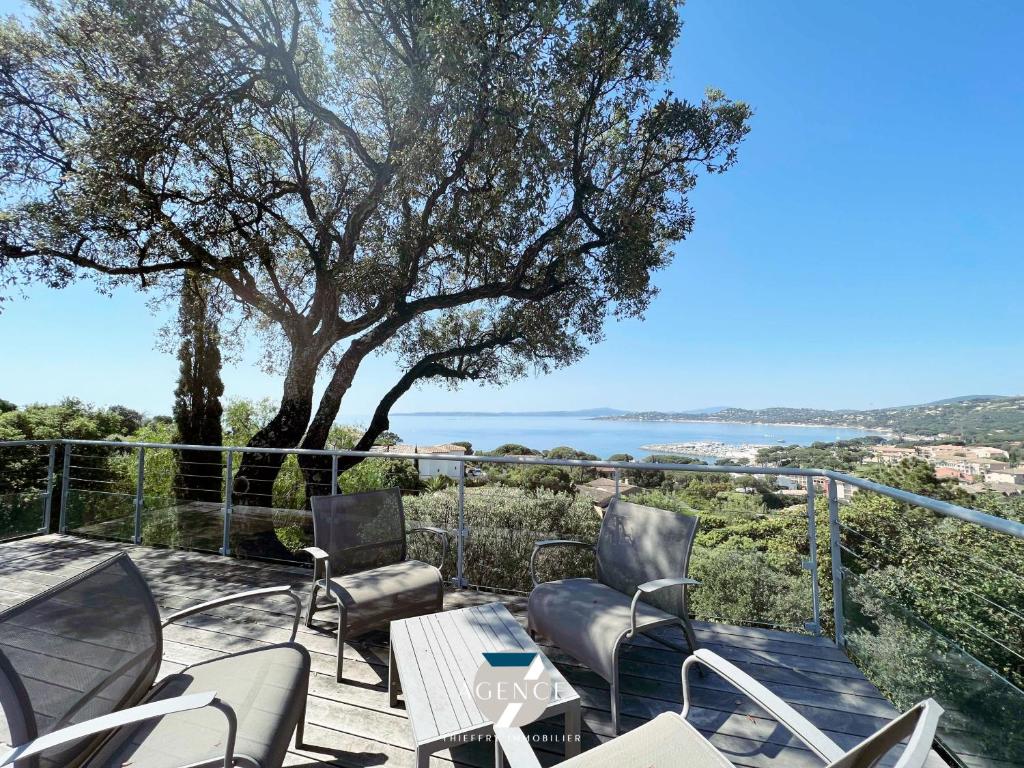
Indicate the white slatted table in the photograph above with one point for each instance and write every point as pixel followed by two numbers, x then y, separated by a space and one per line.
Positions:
pixel 433 662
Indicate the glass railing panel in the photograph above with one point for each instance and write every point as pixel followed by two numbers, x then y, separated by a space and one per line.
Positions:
pixel 504 523
pixel 436 509
pixel 23 482
pixel 934 606
pixel 275 523
pixel 21 513
pixel 751 547
pixel 909 660
pixel 100 514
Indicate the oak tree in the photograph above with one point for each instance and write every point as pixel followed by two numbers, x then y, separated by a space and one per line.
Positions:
pixel 471 186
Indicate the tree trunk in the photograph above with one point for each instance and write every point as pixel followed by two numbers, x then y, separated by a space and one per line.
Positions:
pixel 316 470
pixel 253 530
pixel 313 466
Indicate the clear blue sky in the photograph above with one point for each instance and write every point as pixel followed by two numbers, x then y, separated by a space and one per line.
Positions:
pixel 865 251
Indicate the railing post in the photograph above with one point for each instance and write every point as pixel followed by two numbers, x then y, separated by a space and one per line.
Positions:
pixel 616 483
pixel 140 485
pixel 65 484
pixel 48 503
pixel 229 481
pixel 837 561
pixel 334 475
pixel 460 539
pixel 811 563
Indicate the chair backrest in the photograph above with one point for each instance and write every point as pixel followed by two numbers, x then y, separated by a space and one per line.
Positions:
pixel 85 648
pixel 360 531
pixel 638 544
pixel 916 726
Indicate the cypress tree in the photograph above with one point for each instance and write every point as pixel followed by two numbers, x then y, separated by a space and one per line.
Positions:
pixel 197 406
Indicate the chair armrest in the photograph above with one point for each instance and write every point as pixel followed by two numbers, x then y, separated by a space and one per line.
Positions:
pixel 317 553
pixel 785 715
pixel 552 543
pixel 441 534
pixel 139 714
pixel 319 556
pixel 512 749
pixel 239 597
pixel 650 587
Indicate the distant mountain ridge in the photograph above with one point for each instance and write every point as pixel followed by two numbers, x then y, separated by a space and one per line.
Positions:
pixel 993 418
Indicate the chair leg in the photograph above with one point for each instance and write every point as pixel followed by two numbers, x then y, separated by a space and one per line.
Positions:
pixel 691 640
pixel 615 692
pixel 341 640
pixel 300 727
pixel 615 703
pixel 311 608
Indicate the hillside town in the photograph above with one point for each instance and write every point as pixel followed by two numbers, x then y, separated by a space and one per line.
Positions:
pixel 976 467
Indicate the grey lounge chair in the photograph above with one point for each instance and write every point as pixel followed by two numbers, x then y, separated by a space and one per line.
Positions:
pixel 643 554
pixel 360 542
pixel 669 741
pixel 77 670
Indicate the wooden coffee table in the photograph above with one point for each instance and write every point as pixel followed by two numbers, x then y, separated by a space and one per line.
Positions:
pixel 433 662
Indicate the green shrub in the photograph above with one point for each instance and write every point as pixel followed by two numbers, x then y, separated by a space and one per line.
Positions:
pixel 740 587
pixel 504 524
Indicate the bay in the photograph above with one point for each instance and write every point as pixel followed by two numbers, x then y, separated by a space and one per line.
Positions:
pixel 600 437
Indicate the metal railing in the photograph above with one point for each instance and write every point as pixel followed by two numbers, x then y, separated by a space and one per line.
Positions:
pixel 829 477
pixel 123 506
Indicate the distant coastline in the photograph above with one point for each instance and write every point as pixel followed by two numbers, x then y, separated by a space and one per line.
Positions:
pixel 808 425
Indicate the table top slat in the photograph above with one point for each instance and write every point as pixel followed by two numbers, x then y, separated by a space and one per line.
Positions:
pixel 424 726
pixel 438 657
pixel 455 686
pixel 465 662
pixel 431 679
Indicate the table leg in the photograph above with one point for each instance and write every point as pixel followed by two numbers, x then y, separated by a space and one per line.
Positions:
pixel 394 684
pixel 573 721
pixel 422 757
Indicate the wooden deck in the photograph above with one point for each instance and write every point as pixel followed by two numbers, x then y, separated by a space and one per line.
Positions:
pixel 351 724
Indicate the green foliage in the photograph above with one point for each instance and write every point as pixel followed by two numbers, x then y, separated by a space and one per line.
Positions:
pixel 620 457
pixel 505 523
pixel 653 478
pixel 244 418
pixel 576 474
pixel 512 449
pixel 955 576
pixel 25 469
pixel 438 483
pixel 374 474
pixel 918 477
pixel 908 660
pixel 742 586
pixel 843 455
pixel 730 461
pixel 292 537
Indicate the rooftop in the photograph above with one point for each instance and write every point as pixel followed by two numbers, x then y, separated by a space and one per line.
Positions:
pixel 409 448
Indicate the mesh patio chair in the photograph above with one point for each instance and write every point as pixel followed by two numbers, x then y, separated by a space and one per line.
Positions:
pixel 360 547
pixel 77 669
pixel 643 555
pixel 669 741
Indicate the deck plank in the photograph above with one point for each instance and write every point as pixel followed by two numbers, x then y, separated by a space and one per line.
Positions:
pixel 351 724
